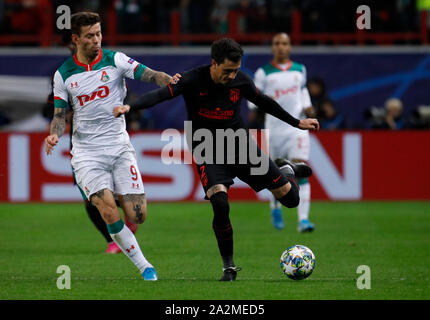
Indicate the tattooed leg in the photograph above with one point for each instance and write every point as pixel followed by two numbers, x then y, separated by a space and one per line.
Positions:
pixel 134 206
pixel 105 203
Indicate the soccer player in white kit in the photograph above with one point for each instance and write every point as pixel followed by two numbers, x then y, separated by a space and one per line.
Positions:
pixel 285 81
pixel 103 159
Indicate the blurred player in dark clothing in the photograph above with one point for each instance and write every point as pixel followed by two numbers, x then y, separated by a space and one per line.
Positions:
pixel 212 95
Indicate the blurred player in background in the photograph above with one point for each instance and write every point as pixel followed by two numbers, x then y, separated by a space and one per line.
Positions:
pixel 285 81
pixel 103 159
pixel 212 95
pixel 92 211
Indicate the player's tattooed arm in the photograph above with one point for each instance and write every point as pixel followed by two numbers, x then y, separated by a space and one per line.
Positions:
pixel 160 78
pixel 58 126
pixel 58 123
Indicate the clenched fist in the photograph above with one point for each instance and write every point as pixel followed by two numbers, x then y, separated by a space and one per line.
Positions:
pixel 309 124
pixel 50 142
pixel 120 110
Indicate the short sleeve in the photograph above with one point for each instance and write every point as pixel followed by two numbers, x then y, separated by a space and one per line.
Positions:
pixel 305 97
pixel 61 96
pixel 128 67
pixel 304 78
pixel 260 83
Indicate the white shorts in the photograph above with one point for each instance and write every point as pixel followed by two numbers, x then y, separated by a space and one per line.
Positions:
pixel 292 145
pixel 118 173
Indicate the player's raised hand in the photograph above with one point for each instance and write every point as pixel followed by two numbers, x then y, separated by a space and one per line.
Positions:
pixel 50 142
pixel 120 110
pixel 309 124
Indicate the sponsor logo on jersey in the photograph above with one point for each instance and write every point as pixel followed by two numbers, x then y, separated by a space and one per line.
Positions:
pixel 234 95
pixel 130 61
pixel 282 92
pixel 216 114
pixel 74 84
pixel 101 92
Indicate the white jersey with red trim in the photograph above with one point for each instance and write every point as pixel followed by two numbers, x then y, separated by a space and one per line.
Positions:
pixel 93 91
pixel 286 85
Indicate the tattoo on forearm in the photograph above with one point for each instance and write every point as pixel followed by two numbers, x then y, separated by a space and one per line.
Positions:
pixel 157 77
pixel 58 123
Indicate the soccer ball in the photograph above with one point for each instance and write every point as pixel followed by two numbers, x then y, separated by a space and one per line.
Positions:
pixel 298 262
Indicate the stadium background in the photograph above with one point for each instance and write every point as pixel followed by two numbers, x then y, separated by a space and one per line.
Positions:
pixel 359 162
pixel 359 69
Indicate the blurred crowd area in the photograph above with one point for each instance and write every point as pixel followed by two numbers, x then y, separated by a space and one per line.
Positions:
pixel 389 116
pixel 211 16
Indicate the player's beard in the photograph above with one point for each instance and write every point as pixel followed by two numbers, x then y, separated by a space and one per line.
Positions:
pixel 92 54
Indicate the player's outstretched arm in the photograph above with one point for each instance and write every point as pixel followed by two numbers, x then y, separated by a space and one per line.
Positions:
pixel 270 106
pixel 146 101
pixel 158 77
pixel 58 126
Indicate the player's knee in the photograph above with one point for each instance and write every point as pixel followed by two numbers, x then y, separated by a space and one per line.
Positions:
pixel 109 214
pixel 292 198
pixel 105 204
pixel 221 208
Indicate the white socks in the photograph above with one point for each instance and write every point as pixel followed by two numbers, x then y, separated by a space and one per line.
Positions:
pixel 305 201
pixel 126 240
pixel 274 204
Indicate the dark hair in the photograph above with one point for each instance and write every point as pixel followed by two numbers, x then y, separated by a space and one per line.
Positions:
pixel 82 19
pixel 226 48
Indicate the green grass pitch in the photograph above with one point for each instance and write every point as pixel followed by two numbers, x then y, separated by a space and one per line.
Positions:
pixel 392 238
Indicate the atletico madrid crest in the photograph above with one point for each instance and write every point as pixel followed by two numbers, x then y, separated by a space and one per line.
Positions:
pixel 234 95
